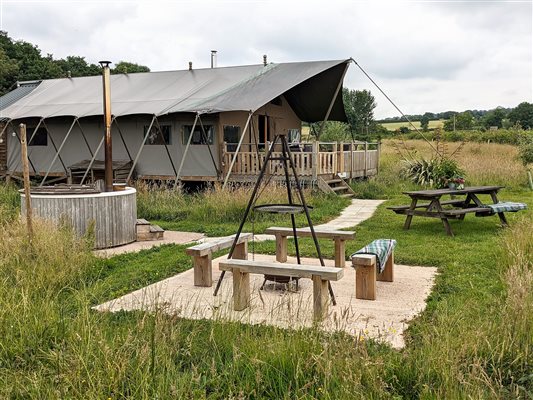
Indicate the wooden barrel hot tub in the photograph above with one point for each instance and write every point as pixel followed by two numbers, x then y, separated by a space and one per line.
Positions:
pixel 114 213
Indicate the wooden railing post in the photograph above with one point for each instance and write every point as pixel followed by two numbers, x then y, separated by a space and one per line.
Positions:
pixel 269 166
pixel 340 163
pixel 351 161
pixel 366 159
pixel 378 156
pixel 316 160
pixel 335 160
pixel 223 151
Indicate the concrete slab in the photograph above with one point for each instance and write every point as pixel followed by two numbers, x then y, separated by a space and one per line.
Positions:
pixel 384 319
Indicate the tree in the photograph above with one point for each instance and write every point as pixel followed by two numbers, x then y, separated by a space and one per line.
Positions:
pixel 77 66
pixel 463 121
pixel 359 107
pixel 424 122
pixel 494 118
pixel 124 67
pixel 522 115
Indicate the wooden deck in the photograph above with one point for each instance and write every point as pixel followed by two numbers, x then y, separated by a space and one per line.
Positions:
pixel 349 160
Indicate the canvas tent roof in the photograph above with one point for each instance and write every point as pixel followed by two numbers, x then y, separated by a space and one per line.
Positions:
pixel 307 86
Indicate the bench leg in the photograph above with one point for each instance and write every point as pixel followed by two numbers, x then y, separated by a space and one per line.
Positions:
pixel 340 253
pixel 203 271
pixel 388 273
pixel 281 248
pixel 365 281
pixel 241 251
pixel 241 289
pixel 320 298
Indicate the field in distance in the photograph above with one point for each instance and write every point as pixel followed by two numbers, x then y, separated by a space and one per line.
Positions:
pixel 392 126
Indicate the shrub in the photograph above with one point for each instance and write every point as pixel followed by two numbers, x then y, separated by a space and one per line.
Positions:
pixel 526 150
pixel 436 172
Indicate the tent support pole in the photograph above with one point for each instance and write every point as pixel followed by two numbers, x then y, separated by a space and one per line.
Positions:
pixel 178 174
pixel 165 143
pixel 5 127
pixel 84 137
pixel 92 160
pixel 28 143
pixel 54 145
pixel 115 120
pixel 58 151
pixel 237 150
pixel 339 86
pixel 140 149
pixel 204 136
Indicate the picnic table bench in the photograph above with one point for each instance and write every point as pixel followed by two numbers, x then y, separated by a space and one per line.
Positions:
pixel 339 237
pixel 433 207
pixel 241 270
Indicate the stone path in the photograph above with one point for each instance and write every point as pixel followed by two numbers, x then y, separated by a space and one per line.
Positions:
pixel 351 216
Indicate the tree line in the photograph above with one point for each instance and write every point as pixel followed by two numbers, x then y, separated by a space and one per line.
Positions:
pixel 23 61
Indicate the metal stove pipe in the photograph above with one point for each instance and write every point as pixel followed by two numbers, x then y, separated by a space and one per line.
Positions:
pixel 108 148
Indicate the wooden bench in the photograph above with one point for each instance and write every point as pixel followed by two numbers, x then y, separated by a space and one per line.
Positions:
pixel 339 237
pixel 366 274
pixel 242 269
pixel 202 255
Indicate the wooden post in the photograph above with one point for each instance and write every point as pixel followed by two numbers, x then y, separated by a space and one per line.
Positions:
pixel 281 248
pixel 351 161
pixel 316 161
pixel 268 170
pixel 365 276
pixel 340 161
pixel 241 289
pixel 377 157
pixel 26 173
pixel 366 159
pixel 203 270
pixel 340 253
pixel 388 273
pixel 320 298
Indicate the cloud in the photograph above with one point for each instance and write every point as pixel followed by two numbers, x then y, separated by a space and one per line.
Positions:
pixel 430 56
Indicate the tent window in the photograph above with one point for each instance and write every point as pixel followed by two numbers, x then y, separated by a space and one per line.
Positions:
pixel 197 136
pixel 39 139
pixel 159 135
pixel 231 136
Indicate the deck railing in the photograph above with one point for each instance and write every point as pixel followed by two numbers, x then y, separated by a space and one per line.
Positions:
pixel 350 160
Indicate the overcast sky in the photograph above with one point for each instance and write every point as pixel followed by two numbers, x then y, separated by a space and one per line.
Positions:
pixel 427 56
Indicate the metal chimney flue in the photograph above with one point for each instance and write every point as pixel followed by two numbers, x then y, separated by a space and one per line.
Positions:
pixel 213 58
pixel 190 65
pixel 265 60
pixel 108 149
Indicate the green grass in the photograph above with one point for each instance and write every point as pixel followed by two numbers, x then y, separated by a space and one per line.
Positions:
pixel 472 341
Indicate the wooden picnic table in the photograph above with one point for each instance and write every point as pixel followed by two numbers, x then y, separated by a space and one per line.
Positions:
pixel 468 202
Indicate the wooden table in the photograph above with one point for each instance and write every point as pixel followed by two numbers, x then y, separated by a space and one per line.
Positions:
pixel 433 207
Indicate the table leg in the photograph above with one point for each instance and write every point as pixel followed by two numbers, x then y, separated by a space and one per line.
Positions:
pixel 443 217
pixel 494 198
pixel 407 223
pixel 465 205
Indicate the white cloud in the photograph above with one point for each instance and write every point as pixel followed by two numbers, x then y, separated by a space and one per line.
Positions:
pixel 429 56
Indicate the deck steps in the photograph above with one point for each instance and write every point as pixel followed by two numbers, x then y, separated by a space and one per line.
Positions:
pixel 335 185
pixel 146 231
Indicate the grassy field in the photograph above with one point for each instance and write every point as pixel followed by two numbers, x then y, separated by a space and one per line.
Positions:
pixel 392 126
pixel 472 341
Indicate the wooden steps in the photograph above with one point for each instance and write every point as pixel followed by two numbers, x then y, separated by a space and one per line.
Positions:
pixel 335 185
pixel 146 231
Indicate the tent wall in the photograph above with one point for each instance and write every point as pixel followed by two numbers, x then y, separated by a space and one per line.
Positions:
pixel 153 160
